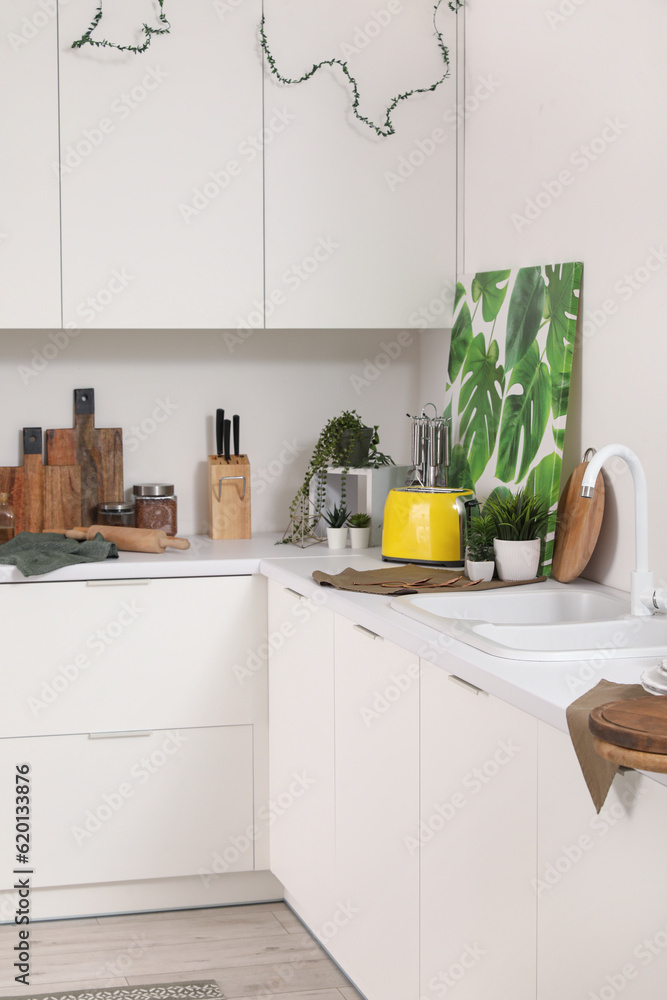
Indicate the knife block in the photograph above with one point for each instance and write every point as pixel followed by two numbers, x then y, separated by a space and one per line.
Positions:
pixel 229 497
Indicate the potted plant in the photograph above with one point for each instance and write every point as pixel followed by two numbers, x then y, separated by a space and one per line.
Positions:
pixel 307 507
pixel 360 530
pixel 336 521
pixel 480 555
pixel 520 522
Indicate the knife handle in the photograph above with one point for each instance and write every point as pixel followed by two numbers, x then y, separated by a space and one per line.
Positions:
pixel 227 429
pixel 219 424
pixel 237 429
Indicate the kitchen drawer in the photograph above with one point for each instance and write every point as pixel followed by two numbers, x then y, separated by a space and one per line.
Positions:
pixel 137 806
pixel 145 654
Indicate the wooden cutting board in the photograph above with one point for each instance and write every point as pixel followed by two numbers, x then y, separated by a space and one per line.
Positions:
pixel 578 522
pixel 637 724
pixel 98 451
pixel 41 497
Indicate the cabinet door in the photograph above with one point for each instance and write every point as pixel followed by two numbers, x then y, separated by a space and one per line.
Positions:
pixel 374 928
pixel 301 752
pixel 601 881
pixel 29 196
pixel 130 655
pixel 477 836
pixel 360 230
pixel 137 806
pixel 162 168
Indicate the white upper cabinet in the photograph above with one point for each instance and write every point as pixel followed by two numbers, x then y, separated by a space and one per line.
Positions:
pixel 360 229
pixel 161 157
pixel 29 200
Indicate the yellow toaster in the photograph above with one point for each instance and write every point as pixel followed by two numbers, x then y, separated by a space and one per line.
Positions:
pixel 426 525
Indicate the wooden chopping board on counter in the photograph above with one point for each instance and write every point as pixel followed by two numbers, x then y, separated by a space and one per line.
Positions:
pixel 637 723
pixel 39 496
pixel 578 522
pixel 98 452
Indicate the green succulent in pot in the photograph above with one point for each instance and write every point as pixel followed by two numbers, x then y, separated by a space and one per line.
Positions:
pixel 336 518
pixel 519 516
pixel 359 520
pixel 480 534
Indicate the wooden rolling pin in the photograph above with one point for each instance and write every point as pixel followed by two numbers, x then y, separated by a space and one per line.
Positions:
pixel 131 539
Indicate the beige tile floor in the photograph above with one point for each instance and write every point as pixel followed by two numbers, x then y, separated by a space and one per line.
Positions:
pixel 250 951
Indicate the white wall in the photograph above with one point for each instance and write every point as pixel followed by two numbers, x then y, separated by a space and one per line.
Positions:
pixel 583 92
pixel 284 385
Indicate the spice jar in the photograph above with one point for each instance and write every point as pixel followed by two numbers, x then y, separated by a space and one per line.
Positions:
pixel 6 519
pixel 155 506
pixel 119 514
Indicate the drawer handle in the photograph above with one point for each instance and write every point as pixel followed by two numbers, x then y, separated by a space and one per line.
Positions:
pixel 465 684
pixel 130 734
pixel 367 631
pixel 295 593
pixel 117 583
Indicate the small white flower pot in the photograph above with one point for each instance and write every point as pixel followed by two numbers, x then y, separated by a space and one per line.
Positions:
pixel 337 537
pixel 480 570
pixel 517 560
pixel 360 537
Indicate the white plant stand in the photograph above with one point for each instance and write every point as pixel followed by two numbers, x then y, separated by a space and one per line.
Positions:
pixel 367 491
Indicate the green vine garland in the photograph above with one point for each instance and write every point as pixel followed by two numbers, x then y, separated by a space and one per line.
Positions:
pixel 104 43
pixel 388 126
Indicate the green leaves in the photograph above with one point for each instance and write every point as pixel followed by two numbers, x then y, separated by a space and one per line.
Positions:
pixel 480 403
pixel 525 416
pixel 460 342
pixel 524 315
pixel 460 476
pixel 545 477
pixel 487 286
pixel 562 303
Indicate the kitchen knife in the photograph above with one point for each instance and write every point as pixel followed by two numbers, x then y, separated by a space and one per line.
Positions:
pixel 219 424
pixel 227 428
pixel 237 429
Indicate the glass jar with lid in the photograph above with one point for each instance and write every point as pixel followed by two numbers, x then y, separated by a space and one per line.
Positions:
pixel 117 514
pixel 156 506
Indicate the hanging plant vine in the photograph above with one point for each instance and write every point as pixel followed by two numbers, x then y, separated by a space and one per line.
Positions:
pixel 387 128
pixel 86 38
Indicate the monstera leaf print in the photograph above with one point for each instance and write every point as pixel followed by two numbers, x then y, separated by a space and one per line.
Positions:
pixel 460 342
pixel 480 403
pixel 524 316
pixel 491 287
pixel 460 477
pixel 560 308
pixel 525 416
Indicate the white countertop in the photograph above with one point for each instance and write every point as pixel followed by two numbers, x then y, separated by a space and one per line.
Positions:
pixel 543 689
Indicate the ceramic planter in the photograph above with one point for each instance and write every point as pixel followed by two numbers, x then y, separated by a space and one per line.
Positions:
pixel 480 570
pixel 360 537
pixel 359 447
pixel 517 560
pixel 337 537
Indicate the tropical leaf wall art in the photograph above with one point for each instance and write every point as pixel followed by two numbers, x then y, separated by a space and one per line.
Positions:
pixel 508 384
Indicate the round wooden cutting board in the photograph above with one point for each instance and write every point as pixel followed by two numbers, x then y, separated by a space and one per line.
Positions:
pixel 578 523
pixel 638 723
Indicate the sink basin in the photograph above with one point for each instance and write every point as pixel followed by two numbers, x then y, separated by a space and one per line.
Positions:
pixel 547 621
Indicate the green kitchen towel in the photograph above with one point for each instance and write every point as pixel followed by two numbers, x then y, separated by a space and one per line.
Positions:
pixel 34 553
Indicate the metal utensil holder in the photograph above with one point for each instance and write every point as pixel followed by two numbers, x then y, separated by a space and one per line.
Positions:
pixel 430 450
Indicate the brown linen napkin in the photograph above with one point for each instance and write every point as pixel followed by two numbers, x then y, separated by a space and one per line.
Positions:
pixel 396 580
pixel 598 772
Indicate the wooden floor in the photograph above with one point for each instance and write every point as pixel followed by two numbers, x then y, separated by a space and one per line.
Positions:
pixel 250 951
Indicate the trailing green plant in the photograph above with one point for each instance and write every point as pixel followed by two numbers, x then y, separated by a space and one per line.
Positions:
pixel 307 507
pixel 387 127
pixel 87 39
pixel 336 518
pixel 480 534
pixel 359 520
pixel 519 516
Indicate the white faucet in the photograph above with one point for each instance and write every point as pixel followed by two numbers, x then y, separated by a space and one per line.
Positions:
pixel 644 599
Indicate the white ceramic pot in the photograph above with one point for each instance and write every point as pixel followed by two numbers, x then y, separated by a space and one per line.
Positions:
pixel 360 537
pixel 517 560
pixel 480 570
pixel 337 537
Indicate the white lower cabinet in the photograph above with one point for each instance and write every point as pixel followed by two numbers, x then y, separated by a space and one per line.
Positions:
pixel 373 926
pixel 601 882
pixel 114 807
pixel 476 837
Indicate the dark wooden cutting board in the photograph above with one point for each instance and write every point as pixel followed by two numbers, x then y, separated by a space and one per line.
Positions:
pixel 578 522
pixel 637 724
pixel 41 497
pixel 98 451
